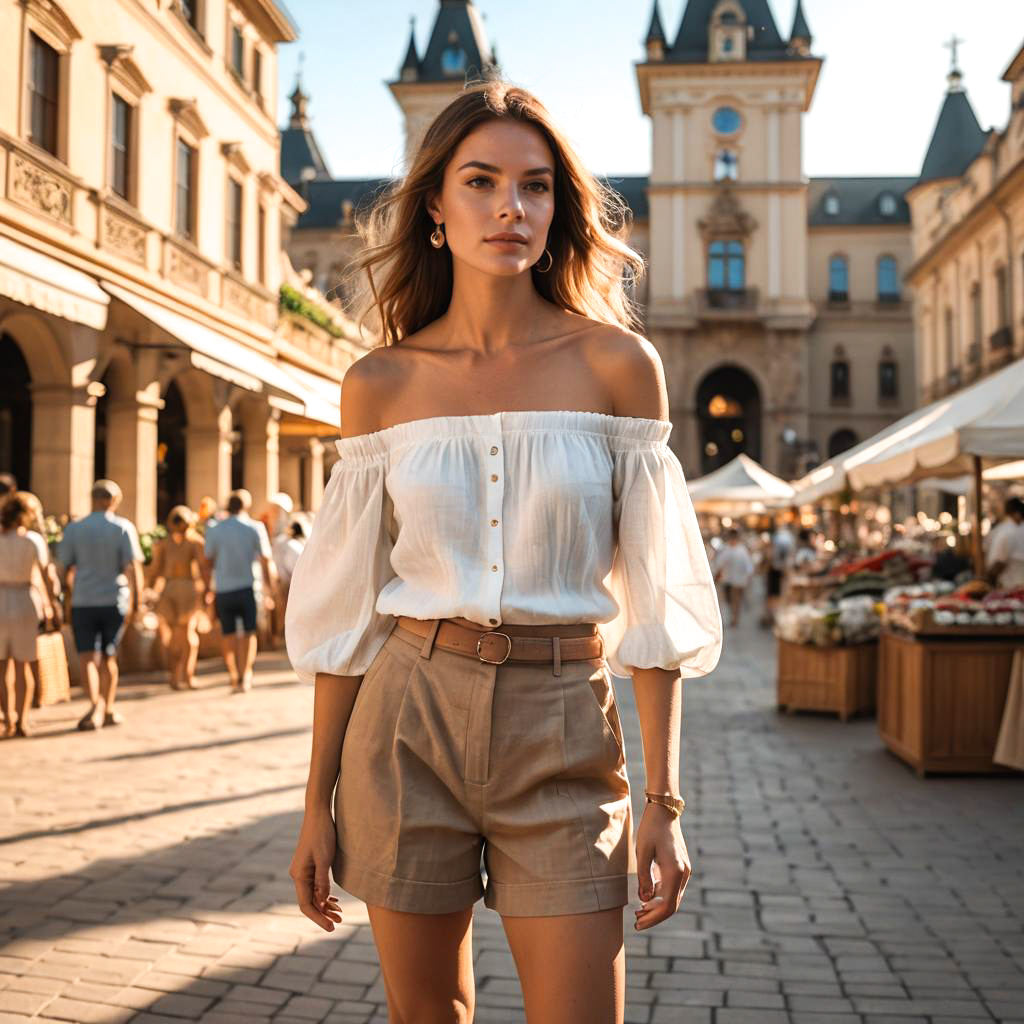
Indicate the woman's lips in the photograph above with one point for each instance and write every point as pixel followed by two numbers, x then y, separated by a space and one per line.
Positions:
pixel 507 243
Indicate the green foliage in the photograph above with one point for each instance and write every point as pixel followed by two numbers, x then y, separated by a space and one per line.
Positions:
pixel 295 302
pixel 149 538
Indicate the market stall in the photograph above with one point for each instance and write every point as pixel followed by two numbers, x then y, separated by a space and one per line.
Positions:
pixel 739 486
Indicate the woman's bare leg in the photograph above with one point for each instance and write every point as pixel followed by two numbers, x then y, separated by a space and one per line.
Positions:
pixel 572 967
pixel 22 693
pixel 427 964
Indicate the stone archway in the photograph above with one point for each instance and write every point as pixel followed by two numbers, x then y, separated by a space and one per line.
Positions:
pixel 728 417
pixel 171 461
pixel 15 412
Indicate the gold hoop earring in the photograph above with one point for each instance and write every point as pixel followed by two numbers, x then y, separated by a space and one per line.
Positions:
pixel 551 262
pixel 437 237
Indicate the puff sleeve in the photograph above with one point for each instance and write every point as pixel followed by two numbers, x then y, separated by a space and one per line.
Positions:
pixel 331 622
pixel 668 604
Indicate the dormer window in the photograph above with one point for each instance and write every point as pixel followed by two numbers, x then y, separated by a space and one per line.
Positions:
pixel 727 32
pixel 887 204
pixel 832 204
pixel 453 57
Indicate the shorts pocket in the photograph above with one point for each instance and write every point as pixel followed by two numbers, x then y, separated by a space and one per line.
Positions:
pixel 604 696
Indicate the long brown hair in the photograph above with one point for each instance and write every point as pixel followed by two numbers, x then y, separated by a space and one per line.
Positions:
pixel 408 282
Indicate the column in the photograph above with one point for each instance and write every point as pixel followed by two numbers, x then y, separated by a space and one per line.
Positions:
pixel 260 457
pixel 63 440
pixel 315 477
pixel 132 456
pixel 208 460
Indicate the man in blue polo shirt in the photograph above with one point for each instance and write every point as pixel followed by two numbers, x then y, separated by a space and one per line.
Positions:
pixel 234 546
pixel 103 560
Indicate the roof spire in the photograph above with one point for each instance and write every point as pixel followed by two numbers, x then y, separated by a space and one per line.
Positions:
pixel 300 101
pixel 410 69
pixel 955 77
pixel 655 41
pixel 800 37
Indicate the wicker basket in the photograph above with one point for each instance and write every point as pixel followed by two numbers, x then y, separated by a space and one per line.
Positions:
pixel 54 683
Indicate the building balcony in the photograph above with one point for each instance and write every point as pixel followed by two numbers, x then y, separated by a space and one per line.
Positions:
pixel 727 304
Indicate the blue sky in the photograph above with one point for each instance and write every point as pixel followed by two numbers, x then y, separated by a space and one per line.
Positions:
pixel 876 103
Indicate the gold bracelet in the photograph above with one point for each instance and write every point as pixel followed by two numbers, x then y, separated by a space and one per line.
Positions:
pixel 675 804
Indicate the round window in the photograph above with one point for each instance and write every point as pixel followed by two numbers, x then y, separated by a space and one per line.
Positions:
pixel 726 120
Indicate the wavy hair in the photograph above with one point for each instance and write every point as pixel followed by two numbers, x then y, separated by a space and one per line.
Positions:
pixel 401 277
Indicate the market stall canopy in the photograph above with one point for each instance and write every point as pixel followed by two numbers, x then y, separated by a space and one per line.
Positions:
pixel 738 486
pixel 46 284
pixel 985 420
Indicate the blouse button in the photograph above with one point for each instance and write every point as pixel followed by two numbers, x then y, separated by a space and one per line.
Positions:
pixel 494 522
pixel 494 451
pixel 494 568
pixel 493 622
pixel 494 477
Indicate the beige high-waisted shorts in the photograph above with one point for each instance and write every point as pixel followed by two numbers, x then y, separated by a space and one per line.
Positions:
pixel 446 757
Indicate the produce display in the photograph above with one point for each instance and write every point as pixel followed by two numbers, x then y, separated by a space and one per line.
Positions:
pixel 838 623
pixel 939 607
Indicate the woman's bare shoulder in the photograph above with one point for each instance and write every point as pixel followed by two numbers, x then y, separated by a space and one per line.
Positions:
pixel 631 367
pixel 366 387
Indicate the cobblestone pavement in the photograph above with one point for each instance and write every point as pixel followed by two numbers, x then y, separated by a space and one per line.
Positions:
pixel 143 872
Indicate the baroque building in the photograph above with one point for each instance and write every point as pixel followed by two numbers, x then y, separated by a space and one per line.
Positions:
pixel 775 300
pixel 142 223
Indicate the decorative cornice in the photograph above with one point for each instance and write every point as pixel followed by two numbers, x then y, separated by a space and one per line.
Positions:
pixel 50 15
pixel 727 217
pixel 186 111
pixel 117 57
pixel 233 153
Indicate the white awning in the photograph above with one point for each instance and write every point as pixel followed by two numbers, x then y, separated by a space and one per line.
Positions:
pixel 218 354
pixel 321 395
pixel 46 284
pixel 739 485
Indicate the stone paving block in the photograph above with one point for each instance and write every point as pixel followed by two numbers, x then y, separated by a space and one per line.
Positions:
pixel 86 1013
pixel 26 1003
pixel 738 1016
pixel 680 1015
pixel 307 1008
pixel 179 1004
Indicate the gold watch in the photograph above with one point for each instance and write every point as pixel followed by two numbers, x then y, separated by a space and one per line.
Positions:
pixel 676 804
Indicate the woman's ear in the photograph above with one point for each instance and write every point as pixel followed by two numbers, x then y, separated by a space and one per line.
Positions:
pixel 434 208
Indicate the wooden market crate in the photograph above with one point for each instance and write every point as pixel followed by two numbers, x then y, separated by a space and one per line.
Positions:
pixel 838 679
pixel 941 700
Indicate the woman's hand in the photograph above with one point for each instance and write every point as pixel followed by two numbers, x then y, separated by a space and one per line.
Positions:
pixel 310 869
pixel 661 853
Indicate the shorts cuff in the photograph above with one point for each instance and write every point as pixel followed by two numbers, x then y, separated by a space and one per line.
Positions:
pixel 551 899
pixel 414 897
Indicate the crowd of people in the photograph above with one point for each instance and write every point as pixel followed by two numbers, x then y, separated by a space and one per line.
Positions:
pixel 222 562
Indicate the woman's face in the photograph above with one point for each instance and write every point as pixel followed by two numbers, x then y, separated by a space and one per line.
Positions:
pixel 500 180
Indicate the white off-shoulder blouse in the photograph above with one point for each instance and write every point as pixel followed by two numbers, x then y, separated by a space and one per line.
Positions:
pixel 527 517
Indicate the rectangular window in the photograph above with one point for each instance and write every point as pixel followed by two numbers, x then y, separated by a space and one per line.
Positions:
pixel 237 52
pixel 234 223
pixel 257 75
pixel 888 280
pixel 120 146
pixel 838 280
pixel 184 189
pixel 42 90
pixel 726 269
pixel 888 379
pixel 840 380
pixel 261 244
pixel 190 12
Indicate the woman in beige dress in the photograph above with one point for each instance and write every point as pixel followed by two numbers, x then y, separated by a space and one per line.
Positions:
pixel 20 570
pixel 180 579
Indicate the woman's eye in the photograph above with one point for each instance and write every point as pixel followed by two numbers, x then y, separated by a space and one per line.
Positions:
pixel 543 186
pixel 471 180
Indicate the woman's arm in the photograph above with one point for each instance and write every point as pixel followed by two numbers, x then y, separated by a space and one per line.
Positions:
pixel 333 698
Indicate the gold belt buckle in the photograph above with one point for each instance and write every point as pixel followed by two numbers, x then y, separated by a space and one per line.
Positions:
pixel 508 653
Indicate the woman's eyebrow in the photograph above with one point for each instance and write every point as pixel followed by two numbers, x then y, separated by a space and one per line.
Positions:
pixel 497 170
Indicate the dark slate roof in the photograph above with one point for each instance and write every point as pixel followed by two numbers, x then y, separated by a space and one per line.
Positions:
pixel 691 43
pixel 655 33
pixel 858 201
pixel 412 58
pixel 956 141
pixel 632 188
pixel 299 149
pixel 801 30
pixel 325 199
pixel 461 19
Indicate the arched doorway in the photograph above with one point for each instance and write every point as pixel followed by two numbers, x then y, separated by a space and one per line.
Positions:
pixel 841 441
pixel 728 416
pixel 170 453
pixel 15 413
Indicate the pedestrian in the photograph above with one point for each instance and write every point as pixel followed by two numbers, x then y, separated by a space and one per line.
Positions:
pixel 207 513
pixel 182 584
pixel 1006 553
pixel 276 518
pixel 806 554
pixel 733 569
pixel 238 547
pixel 782 545
pixel 287 548
pixel 20 570
pixel 506 527
pixel 103 560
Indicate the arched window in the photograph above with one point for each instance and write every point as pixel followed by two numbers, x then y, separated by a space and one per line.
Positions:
pixel 839 376
pixel 726 165
pixel 838 279
pixel 888 376
pixel 832 204
pixel 726 269
pixel 841 441
pixel 888 280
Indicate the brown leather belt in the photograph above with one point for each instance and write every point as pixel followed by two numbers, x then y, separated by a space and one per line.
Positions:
pixel 513 643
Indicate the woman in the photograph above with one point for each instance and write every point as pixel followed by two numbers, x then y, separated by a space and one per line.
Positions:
pixel 450 604
pixel 20 569
pixel 178 565
pixel 37 534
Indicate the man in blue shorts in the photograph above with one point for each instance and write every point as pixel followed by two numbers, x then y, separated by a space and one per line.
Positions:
pixel 234 546
pixel 103 560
